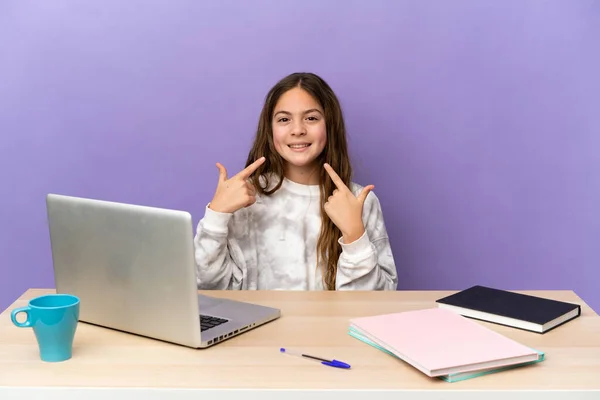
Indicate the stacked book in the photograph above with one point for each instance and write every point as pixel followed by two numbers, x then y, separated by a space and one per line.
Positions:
pixel 443 343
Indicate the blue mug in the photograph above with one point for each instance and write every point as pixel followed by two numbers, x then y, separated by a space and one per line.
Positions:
pixel 54 320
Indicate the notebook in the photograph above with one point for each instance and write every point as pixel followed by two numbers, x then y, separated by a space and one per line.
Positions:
pixel 440 342
pixel 457 377
pixel 517 310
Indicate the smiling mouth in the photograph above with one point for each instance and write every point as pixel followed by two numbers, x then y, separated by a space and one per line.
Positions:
pixel 298 146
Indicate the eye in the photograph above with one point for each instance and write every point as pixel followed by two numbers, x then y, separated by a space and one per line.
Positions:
pixel 282 119
pixel 313 118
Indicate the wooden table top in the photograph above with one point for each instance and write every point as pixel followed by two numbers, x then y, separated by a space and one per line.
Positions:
pixel 313 322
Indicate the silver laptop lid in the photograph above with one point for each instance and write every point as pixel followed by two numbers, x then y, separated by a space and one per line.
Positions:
pixel 132 266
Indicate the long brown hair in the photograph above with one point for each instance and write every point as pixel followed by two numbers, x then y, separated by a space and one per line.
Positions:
pixel 335 154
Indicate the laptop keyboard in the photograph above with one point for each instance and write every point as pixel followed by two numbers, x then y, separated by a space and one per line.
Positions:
pixel 207 322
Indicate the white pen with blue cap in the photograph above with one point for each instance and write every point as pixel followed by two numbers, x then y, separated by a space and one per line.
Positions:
pixel 330 363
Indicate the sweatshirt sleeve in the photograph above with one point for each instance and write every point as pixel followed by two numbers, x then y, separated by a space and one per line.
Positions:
pixel 219 260
pixel 368 262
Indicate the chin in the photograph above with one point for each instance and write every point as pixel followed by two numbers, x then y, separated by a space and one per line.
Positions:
pixel 302 163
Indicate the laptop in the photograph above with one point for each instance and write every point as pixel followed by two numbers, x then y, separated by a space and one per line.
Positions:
pixel 134 270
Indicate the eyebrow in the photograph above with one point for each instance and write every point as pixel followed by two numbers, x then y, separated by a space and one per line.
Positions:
pixel 305 112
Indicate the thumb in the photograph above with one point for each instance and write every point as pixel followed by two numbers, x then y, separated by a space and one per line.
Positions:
pixel 222 173
pixel 363 195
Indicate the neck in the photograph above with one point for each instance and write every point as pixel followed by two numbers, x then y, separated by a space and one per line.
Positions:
pixel 308 175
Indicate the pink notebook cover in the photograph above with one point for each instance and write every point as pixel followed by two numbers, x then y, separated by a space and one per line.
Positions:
pixel 435 340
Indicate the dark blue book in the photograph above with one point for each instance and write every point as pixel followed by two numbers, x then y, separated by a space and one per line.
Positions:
pixel 517 310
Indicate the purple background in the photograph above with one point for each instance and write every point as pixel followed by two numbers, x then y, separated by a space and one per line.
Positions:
pixel 477 121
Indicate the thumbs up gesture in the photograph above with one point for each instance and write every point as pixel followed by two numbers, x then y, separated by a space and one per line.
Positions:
pixel 236 192
pixel 345 209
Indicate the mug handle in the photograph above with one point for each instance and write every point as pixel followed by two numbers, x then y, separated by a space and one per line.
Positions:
pixel 13 317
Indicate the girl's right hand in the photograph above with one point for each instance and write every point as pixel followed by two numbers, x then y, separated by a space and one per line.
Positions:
pixel 236 192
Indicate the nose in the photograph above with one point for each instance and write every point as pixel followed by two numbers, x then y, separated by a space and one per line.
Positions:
pixel 298 128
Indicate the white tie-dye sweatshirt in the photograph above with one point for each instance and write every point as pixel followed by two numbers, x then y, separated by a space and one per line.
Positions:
pixel 272 245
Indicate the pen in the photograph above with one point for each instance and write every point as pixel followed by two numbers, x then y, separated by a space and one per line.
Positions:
pixel 330 363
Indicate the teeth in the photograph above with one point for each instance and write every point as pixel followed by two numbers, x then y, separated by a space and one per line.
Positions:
pixel 298 146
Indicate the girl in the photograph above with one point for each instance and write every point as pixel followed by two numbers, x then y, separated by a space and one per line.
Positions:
pixel 292 219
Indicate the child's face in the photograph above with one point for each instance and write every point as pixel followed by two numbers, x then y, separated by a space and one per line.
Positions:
pixel 299 131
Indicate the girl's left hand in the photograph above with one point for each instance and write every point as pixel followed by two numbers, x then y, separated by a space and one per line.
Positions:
pixel 345 209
